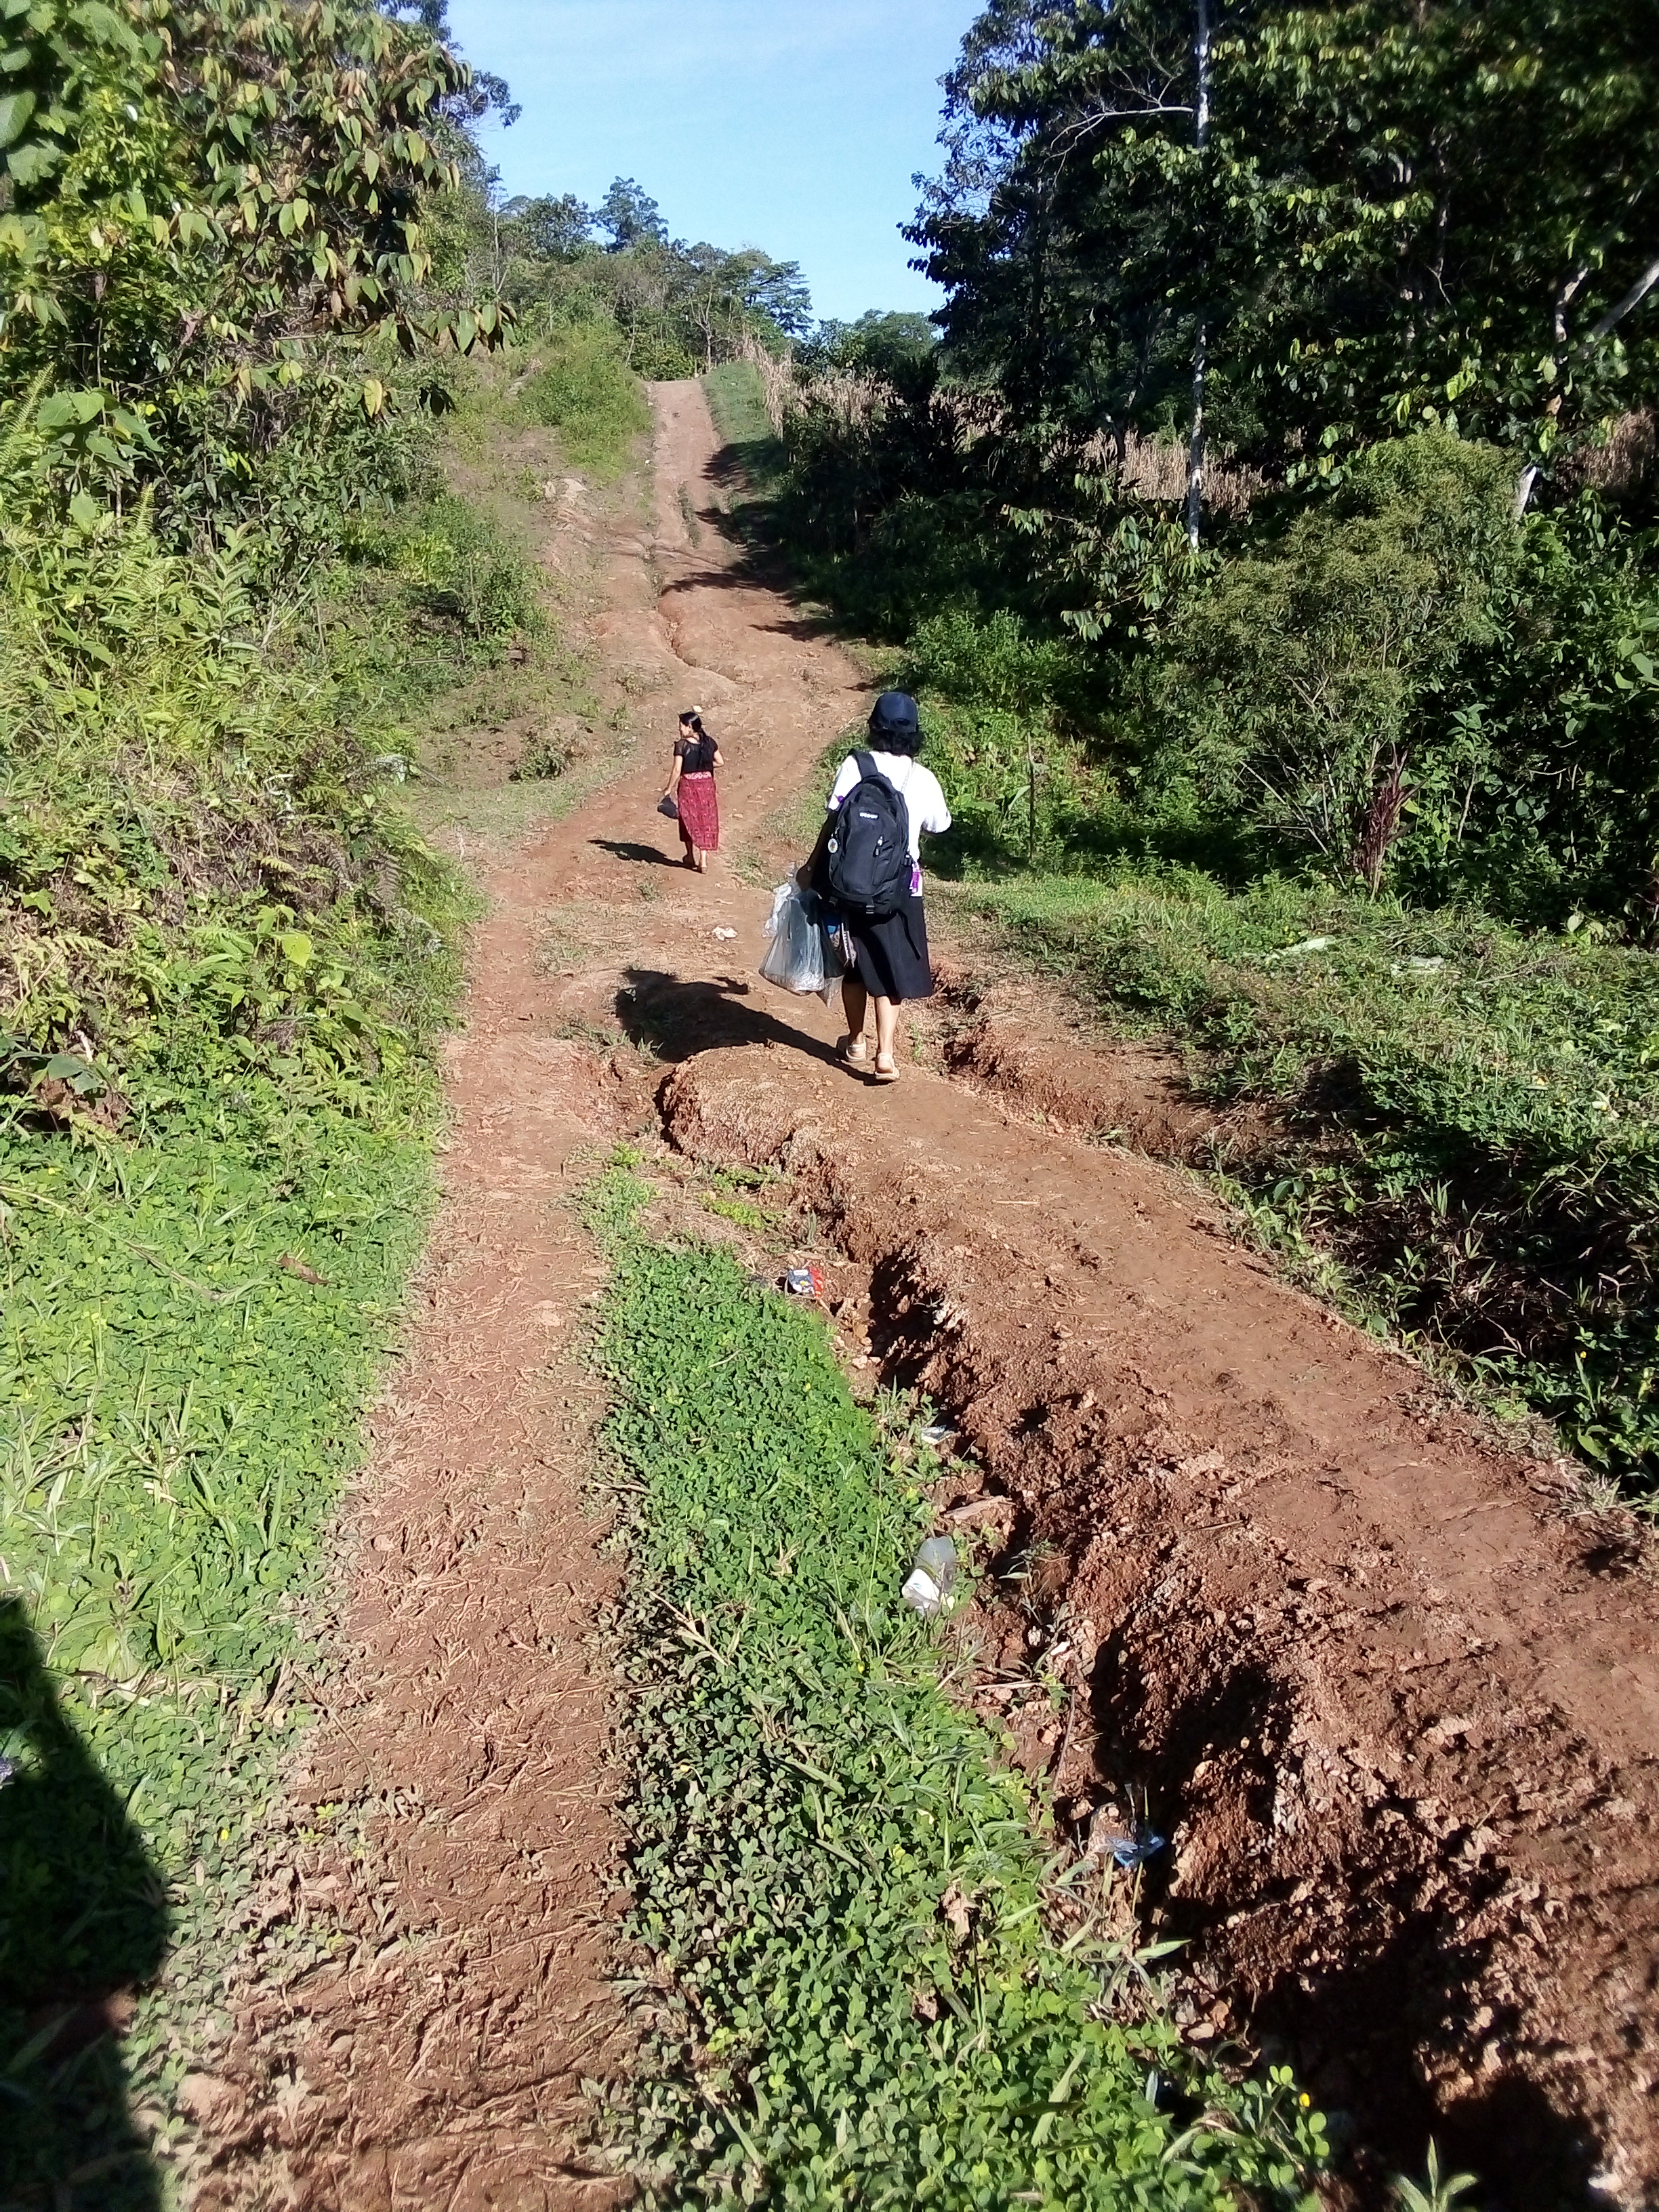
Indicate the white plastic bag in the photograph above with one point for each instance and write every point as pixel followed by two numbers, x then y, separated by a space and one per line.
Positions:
pixel 794 957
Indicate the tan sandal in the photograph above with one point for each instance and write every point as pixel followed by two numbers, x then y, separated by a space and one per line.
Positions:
pixel 888 1074
pixel 850 1050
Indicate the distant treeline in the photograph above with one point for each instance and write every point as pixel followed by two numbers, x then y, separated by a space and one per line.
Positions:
pixel 679 308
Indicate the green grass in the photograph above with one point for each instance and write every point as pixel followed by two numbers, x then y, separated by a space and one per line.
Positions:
pixel 579 383
pixel 867 1985
pixel 224 959
pixel 438 623
pixel 738 406
pixel 180 1411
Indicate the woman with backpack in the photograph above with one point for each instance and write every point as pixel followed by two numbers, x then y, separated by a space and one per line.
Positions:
pixel 691 790
pixel 868 867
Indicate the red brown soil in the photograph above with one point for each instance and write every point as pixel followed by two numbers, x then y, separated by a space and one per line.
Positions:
pixel 1391 1696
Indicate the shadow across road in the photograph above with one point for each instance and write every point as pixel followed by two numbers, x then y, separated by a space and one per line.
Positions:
pixel 674 1019
pixel 83 1923
pixel 624 849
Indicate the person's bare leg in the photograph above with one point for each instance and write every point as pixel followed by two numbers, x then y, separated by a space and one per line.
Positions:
pixel 855 1005
pixel 886 1029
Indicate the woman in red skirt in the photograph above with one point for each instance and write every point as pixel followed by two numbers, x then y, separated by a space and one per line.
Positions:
pixel 691 787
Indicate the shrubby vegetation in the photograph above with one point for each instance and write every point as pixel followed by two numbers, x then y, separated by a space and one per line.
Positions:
pixel 663 307
pixel 1274 534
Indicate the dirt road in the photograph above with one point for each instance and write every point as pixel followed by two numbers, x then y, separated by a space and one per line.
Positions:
pixel 1396 1705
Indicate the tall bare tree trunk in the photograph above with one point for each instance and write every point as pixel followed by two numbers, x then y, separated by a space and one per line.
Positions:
pixel 1201 344
pixel 1195 449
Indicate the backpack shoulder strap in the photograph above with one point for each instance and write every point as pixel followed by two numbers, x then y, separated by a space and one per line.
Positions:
pixel 867 767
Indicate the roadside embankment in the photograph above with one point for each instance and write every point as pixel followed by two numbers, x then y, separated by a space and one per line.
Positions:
pixel 1391 1698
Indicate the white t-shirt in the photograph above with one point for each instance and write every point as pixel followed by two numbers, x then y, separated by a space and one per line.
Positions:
pixel 924 802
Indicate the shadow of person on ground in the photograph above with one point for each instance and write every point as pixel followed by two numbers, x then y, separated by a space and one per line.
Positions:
pixel 674 1019
pixel 82 1923
pixel 623 849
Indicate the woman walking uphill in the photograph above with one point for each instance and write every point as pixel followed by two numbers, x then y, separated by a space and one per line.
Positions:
pixel 878 893
pixel 691 788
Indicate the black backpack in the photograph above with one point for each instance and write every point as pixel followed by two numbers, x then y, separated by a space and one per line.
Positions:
pixel 866 862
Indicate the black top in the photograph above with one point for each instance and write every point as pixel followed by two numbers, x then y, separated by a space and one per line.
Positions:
pixel 696 755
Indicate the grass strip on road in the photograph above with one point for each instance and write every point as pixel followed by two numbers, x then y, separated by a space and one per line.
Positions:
pixel 868 1984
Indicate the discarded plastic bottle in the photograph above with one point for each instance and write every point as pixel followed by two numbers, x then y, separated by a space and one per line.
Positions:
pixel 930 1579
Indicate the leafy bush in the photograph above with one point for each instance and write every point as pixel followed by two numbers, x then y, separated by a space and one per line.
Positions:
pixel 464 566
pixel 199 878
pixel 995 661
pixel 1559 811
pixel 582 387
pixel 245 179
pixel 857 1992
pixel 1299 685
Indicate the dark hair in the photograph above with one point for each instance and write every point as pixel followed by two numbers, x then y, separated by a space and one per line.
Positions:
pixel 896 724
pixel 691 715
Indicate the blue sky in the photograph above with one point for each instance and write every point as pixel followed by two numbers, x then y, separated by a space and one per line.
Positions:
pixel 795 125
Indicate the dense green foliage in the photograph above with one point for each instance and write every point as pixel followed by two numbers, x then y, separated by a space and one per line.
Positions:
pixel 1389 216
pixel 580 384
pixel 868 1984
pixel 220 205
pixel 1366 252
pixel 202 882
pixel 1275 530
pixel 671 307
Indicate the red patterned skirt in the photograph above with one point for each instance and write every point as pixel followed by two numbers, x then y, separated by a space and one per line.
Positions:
pixel 700 813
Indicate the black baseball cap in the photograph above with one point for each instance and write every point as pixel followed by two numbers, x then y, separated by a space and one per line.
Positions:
pixel 894 714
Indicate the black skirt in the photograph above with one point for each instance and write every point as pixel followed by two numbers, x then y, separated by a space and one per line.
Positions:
pixel 891 955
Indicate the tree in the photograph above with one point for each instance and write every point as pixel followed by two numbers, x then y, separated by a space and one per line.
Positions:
pixel 1065 227
pixel 1456 213
pixel 485 94
pixel 552 229
pixel 1305 683
pixel 629 216
pixel 228 193
pixel 1407 212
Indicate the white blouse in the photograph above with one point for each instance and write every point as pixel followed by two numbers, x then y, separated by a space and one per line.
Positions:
pixel 924 802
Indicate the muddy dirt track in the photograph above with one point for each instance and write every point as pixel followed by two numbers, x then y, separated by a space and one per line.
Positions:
pixel 1394 1700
